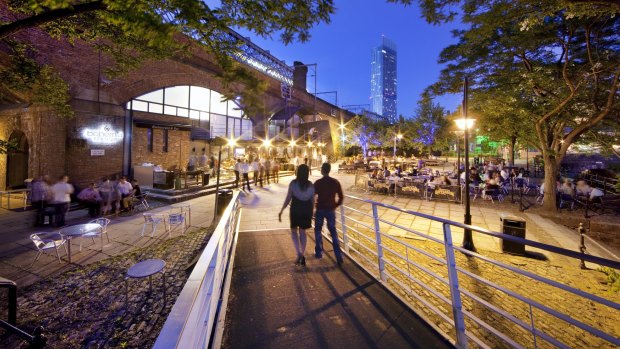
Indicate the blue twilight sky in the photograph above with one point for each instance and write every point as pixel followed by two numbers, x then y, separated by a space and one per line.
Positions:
pixel 342 49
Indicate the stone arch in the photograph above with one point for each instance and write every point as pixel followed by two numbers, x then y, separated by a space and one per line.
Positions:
pixel 157 75
pixel 17 160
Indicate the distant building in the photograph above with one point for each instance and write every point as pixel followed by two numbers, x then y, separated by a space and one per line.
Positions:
pixel 383 80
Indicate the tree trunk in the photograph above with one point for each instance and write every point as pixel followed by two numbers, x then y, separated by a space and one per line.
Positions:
pixel 513 142
pixel 551 172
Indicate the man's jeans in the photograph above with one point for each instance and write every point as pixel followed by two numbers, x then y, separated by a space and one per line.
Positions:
pixel 330 216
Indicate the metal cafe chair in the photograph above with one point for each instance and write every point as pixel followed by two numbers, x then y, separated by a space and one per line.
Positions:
pixel 154 220
pixel 43 244
pixel 139 202
pixel 103 222
pixel 176 218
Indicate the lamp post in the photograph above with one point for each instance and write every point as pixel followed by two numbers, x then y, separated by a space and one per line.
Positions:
pixel 465 124
pixel 398 137
pixel 342 138
pixel 458 133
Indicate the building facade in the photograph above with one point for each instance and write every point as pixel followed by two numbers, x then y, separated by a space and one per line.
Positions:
pixel 383 80
pixel 163 112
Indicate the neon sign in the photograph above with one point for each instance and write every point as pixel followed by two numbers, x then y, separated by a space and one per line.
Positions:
pixel 105 134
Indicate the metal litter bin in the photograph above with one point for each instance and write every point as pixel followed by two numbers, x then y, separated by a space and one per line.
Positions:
pixel 514 226
pixel 223 199
pixel 205 178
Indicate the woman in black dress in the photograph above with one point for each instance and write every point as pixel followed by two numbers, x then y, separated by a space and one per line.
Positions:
pixel 301 197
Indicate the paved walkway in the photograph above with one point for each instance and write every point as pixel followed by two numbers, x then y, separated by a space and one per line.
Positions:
pixel 275 304
pixel 17 251
pixel 261 209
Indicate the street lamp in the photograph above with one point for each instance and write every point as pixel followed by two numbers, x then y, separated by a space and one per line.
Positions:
pixel 458 133
pixel 465 124
pixel 397 137
pixel 342 137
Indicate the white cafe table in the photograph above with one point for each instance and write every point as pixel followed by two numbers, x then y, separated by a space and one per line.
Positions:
pixel 77 230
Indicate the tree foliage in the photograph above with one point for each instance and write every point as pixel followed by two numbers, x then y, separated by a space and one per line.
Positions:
pixel 365 132
pixel 429 125
pixel 130 32
pixel 553 66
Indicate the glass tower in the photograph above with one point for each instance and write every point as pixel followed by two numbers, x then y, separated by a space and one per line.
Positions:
pixel 383 80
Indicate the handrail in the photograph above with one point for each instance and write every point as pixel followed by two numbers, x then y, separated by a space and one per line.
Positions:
pixel 35 340
pixel 445 292
pixel 193 317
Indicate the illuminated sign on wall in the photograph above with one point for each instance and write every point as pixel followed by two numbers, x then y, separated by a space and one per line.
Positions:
pixel 105 134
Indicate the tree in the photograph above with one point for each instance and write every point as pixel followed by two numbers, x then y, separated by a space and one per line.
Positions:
pixel 365 132
pixel 133 31
pixel 560 59
pixel 429 124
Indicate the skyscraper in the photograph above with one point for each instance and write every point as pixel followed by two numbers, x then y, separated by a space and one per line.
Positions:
pixel 383 80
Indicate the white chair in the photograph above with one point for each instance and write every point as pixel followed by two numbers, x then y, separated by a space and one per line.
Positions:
pixel 177 218
pixel 43 244
pixel 154 220
pixel 103 222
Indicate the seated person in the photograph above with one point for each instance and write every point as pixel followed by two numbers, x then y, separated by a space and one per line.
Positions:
pixel 386 172
pixel 126 191
pixel 491 184
pixel 91 198
pixel 498 178
pixel 567 188
pixel 442 180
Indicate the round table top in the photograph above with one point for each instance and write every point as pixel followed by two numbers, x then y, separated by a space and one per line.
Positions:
pixel 146 268
pixel 80 229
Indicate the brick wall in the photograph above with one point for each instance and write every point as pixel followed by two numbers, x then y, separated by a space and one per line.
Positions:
pixel 178 148
pixel 46 140
pixel 83 167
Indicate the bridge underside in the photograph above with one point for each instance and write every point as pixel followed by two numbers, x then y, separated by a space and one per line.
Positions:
pixel 275 304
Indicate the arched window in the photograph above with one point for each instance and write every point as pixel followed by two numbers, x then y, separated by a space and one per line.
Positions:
pixel 203 106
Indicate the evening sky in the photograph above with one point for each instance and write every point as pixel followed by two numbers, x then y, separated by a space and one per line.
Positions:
pixel 342 50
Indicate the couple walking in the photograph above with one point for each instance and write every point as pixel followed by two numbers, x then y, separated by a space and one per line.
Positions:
pixel 301 196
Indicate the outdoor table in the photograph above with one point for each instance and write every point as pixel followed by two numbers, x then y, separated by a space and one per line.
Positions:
pixel 77 230
pixel 186 210
pixel 146 268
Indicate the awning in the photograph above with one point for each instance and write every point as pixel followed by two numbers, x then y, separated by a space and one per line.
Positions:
pixel 162 125
pixel 199 134
pixel 285 113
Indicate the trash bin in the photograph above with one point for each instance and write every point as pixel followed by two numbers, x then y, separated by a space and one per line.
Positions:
pixel 205 178
pixel 223 199
pixel 514 226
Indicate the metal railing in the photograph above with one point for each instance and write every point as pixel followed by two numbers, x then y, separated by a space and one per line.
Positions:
pixel 193 319
pixel 476 300
pixel 36 339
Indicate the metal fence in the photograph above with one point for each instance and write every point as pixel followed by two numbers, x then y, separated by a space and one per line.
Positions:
pixel 489 300
pixel 194 316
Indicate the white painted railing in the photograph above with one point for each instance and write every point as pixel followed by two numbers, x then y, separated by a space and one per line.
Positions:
pixel 472 299
pixel 193 317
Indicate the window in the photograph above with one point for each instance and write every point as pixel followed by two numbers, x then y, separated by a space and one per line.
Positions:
pixel 165 141
pixel 222 118
pixel 149 139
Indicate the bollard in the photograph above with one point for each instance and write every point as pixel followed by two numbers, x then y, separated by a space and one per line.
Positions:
pixel 582 244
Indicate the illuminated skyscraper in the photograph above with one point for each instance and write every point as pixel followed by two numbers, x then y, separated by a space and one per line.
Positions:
pixel 383 80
